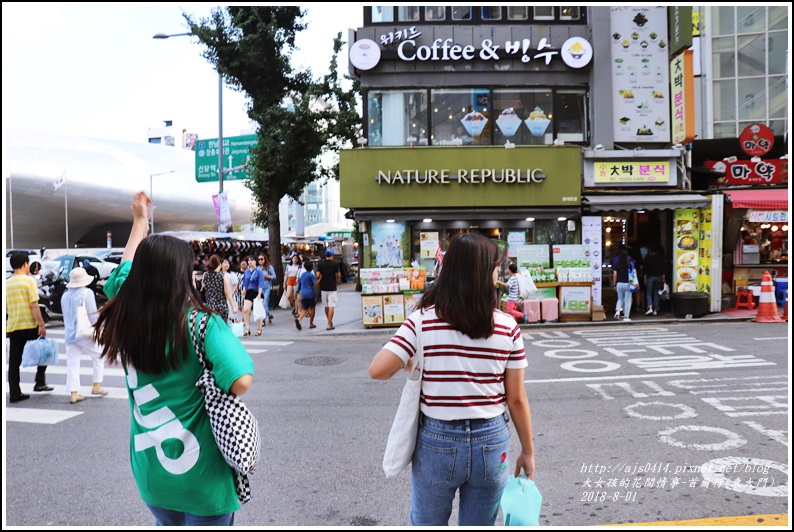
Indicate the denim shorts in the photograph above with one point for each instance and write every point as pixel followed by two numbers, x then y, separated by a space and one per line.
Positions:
pixel 470 455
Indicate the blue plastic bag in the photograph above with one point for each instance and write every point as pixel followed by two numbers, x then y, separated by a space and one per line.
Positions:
pixel 40 352
pixel 521 502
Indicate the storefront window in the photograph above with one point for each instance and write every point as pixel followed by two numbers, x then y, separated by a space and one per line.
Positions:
pixel 460 117
pixel 569 13
pixel 408 14
pixel 382 13
pixel 395 116
pixel 461 13
pixel 752 99
pixel 523 116
pixel 723 20
pixel 553 232
pixel 777 45
pixel 778 18
pixel 543 13
pixel 752 60
pixel 434 13
pixel 725 130
pixel 725 100
pixel 750 19
pixel 516 13
pixel 570 115
pixel 491 12
pixel 778 102
pixel 723 57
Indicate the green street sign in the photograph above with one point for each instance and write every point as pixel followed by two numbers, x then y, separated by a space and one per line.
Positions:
pixel 235 155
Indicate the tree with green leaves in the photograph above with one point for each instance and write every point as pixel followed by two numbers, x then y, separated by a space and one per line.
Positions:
pixel 301 121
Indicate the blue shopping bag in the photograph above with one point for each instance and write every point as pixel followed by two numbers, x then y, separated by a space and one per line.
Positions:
pixel 521 502
pixel 40 352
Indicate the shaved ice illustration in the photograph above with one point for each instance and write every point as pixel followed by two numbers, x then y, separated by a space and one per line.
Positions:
pixel 508 122
pixel 537 122
pixel 474 123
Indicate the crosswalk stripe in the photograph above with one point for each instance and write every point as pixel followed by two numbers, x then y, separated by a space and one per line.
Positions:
pixel 252 342
pixel 38 415
pixel 84 370
pixel 60 389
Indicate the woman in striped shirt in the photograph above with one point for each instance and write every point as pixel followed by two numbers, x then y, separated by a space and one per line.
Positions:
pixel 473 367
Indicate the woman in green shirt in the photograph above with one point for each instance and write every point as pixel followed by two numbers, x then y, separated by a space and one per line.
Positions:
pixel 181 475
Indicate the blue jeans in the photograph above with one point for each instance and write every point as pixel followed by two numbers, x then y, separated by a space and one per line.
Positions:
pixel 651 292
pixel 165 517
pixel 266 300
pixel 466 455
pixel 624 298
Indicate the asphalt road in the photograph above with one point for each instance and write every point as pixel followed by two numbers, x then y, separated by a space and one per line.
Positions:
pixel 629 423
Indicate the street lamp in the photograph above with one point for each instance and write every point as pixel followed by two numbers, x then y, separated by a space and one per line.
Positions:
pixel 220 112
pixel 151 197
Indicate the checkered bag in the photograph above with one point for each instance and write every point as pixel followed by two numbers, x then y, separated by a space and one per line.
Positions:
pixel 235 428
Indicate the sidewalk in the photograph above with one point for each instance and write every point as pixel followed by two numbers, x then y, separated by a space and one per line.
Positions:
pixel 347 319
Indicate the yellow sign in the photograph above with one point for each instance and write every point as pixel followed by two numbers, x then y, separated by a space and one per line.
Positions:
pixel 682 96
pixel 632 172
pixel 695 21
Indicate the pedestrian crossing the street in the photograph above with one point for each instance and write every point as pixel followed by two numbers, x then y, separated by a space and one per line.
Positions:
pixel 113 382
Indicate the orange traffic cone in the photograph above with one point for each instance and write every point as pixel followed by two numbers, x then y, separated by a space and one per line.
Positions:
pixel 785 307
pixel 767 306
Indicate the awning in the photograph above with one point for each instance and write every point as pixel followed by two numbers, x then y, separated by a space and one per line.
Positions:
pixel 769 199
pixel 645 202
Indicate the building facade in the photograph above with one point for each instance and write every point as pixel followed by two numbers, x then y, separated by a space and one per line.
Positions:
pixel 525 123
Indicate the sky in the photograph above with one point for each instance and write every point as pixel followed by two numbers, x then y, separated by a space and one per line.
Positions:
pixel 94 70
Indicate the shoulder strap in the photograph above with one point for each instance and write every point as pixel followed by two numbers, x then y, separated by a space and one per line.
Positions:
pixel 197 326
pixel 419 358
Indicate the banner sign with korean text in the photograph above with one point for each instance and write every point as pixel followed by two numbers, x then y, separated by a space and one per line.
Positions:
pixel 705 279
pixel 682 82
pixel 768 217
pixel 632 172
pixel 756 140
pixel 744 172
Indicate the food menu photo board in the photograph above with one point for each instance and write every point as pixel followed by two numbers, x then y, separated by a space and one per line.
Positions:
pixel 687 253
pixel 705 259
pixel 640 74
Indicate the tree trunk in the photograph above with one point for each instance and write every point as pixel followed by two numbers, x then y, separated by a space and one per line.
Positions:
pixel 274 239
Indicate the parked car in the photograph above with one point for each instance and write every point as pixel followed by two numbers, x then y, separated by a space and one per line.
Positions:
pixel 66 263
pixel 33 254
pixel 111 255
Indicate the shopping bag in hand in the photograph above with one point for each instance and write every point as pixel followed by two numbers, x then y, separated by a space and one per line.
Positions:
pixel 40 352
pixel 521 502
pixel 258 313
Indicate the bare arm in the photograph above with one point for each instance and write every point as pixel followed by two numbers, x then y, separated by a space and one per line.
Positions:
pixel 518 403
pixel 241 385
pixel 140 224
pixel 227 292
pixel 34 308
pixel 385 365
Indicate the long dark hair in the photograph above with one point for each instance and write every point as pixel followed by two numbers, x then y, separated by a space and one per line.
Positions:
pixel 623 260
pixel 464 294
pixel 148 316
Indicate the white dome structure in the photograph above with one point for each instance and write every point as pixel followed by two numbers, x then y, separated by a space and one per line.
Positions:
pixel 101 177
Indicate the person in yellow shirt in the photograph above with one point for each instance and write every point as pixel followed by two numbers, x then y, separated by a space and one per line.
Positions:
pixel 24 323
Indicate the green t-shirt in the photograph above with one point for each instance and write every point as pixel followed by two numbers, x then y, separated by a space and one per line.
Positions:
pixel 175 460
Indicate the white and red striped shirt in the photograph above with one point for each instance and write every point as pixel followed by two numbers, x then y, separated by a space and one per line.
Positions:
pixel 463 378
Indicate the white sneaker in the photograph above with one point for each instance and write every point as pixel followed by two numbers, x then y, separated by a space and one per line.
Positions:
pixel 626 319
pixel 654 313
pixel 650 311
pixel 617 313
